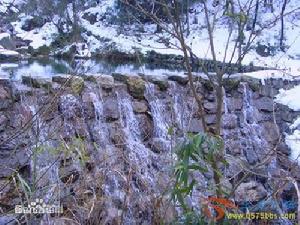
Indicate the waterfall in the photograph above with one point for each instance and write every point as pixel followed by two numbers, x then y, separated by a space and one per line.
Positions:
pixel 128 119
pixel 252 141
pixel 100 126
pixel 139 157
pixel 180 110
pixel 138 153
pixel 226 110
pixel 177 105
pixel 157 110
pixel 43 165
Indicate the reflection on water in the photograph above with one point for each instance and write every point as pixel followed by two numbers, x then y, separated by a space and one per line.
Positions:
pixel 48 67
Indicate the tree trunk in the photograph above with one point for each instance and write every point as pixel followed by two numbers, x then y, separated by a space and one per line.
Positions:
pixel 187 17
pixel 75 26
pixel 282 26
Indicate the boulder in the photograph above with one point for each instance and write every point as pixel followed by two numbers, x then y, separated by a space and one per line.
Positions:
pixel 136 87
pixel 270 132
pixel 91 17
pixel 264 104
pixel 160 81
pixel 3 122
pixel 234 104
pixel 7 42
pixel 140 106
pixel 104 81
pixel 159 145
pixel 4 94
pixel 32 23
pixel 77 84
pixel 183 80
pixel 37 82
pixel 251 191
pixel 118 136
pixel 62 78
pixel 195 126
pixel 120 77
pixel 210 119
pixel 111 110
pixel 211 107
pixel 230 121
pixel 146 126
pixel 76 50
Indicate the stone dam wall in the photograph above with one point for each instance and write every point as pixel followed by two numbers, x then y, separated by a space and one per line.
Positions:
pixel 103 143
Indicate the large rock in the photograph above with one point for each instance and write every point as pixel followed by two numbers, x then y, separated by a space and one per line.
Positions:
pixel 270 132
pixel 111 110
pixel 120 77
pixel 146 126
pixel 211 107
pixel 160 81
pixel 118 136
pixel 250 192
pixel 195 126
pixel 136 87
pixel 104 81
pixel 7 42
pixel 230 121
pixel 183 80
pixel 4 94
pixel 264 104
pixel 33 22
pixel 159 145
pixel 12 159
pixel 76 83
pixel 37 82
pixel 62 78
pixel 234 104
pixel 140 107
pixel 3 122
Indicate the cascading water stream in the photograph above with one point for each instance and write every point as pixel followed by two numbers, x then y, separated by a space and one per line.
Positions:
pixel 101 126
pixel 44 167
pixel 177 105
pixel 157 111
pixel 139 156
pixel 252 140
pixel 138 153
pixel 181 113
pixel 226 110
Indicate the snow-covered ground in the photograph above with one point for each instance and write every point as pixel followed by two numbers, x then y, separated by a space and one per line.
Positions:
pixel 291 99
pixel 39 36
pixel 106 34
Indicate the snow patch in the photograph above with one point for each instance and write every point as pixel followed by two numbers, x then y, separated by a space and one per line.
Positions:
pixel 8 52
pixel 4 35
pixel 39 36
pixel 291 99
pixel 293 141
pixel 267 74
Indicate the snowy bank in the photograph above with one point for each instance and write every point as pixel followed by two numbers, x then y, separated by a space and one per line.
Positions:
pixel 291 99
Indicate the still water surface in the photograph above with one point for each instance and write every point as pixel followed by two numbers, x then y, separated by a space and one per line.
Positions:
pixel 48 67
